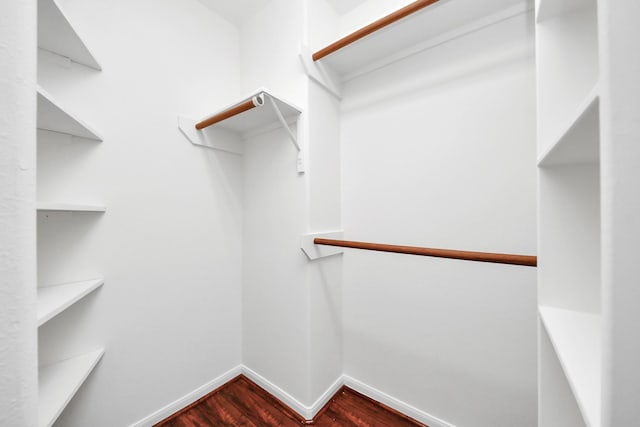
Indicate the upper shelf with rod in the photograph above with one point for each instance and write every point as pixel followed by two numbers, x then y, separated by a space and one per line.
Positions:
pixel 419 26
pixel 57 35
pixel 258 113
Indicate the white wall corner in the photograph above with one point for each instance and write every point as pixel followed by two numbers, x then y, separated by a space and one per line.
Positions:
pixel 394 403
pixel 313 251
pixel 319 73
pixel 189 398
pixel 307 412
pixel 293 403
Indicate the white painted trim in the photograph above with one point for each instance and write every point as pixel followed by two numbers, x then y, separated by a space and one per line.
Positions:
pixel 286 398
pixel 188 399
pixel 326 396
pixel 307 412
pixel 394 403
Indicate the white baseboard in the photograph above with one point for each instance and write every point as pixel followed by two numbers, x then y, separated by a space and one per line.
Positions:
pixel 307 412
pixel 394 403
pixel 188 399
pixel 326 396
pixel 276 391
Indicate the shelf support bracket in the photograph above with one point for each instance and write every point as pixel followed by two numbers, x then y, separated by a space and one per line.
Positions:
pixel 285 125
pixel 292 136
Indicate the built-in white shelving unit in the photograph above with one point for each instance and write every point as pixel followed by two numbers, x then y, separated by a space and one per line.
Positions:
pixel 59 382
pixel 423 24
pixel 53 300
pixel 57 35
pixel 569 274
pixel 53 117
pixel 69 207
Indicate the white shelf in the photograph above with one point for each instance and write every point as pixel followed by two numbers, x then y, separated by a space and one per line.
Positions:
pixel 578 141
pixel 258 118
pixel 59 382
pixel 53 117
pixel 428 27
pixel 269 112
pixel 57 35
pixel 53 300
pixel 576 338
pixel 69 207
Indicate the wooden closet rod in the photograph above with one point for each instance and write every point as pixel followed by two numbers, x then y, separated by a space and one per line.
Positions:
pixel 373 27
pixel 526 260
pixel 256 101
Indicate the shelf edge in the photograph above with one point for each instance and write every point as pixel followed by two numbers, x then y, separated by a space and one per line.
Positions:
pixel 591 100
pixel 93 284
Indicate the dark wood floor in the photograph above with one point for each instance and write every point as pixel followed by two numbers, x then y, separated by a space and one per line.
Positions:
pixel 241 402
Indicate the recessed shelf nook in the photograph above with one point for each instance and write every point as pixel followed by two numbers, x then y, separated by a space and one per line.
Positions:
pixel 576 338
pixel 578 140
pixel 53 117
pixel 53 300
pixel 57 35
pixel 59 382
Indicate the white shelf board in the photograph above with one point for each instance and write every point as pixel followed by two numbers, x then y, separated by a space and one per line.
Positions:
pixel 548 9
pixel 68 207
pixel 257 118
pixel 53 300
pixel 430 26
pixel 269 113
pixel 576 339
pixel 579 139
pixel 57 35
pixel 59 382
pixel 53 117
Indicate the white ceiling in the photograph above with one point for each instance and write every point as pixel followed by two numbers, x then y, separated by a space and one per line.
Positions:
pixel 237 10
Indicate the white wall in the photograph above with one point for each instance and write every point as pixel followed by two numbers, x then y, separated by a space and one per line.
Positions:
pixel 170 242
pixel 325 212
pixel 275 295
pixel 439 151
pixel 18 373
pixel 291 308
pixel 620 154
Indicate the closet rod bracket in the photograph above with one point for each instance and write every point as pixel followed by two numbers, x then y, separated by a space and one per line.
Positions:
pixel 313 251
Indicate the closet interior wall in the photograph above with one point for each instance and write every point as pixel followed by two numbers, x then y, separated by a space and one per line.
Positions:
pixel 438 150
pixel 170 243
pixel 201 249
pixel 291 307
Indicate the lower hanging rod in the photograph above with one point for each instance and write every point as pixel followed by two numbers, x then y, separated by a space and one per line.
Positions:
pixel 526 260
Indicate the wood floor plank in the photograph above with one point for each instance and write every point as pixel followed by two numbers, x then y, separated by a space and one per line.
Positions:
pixel 241 402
